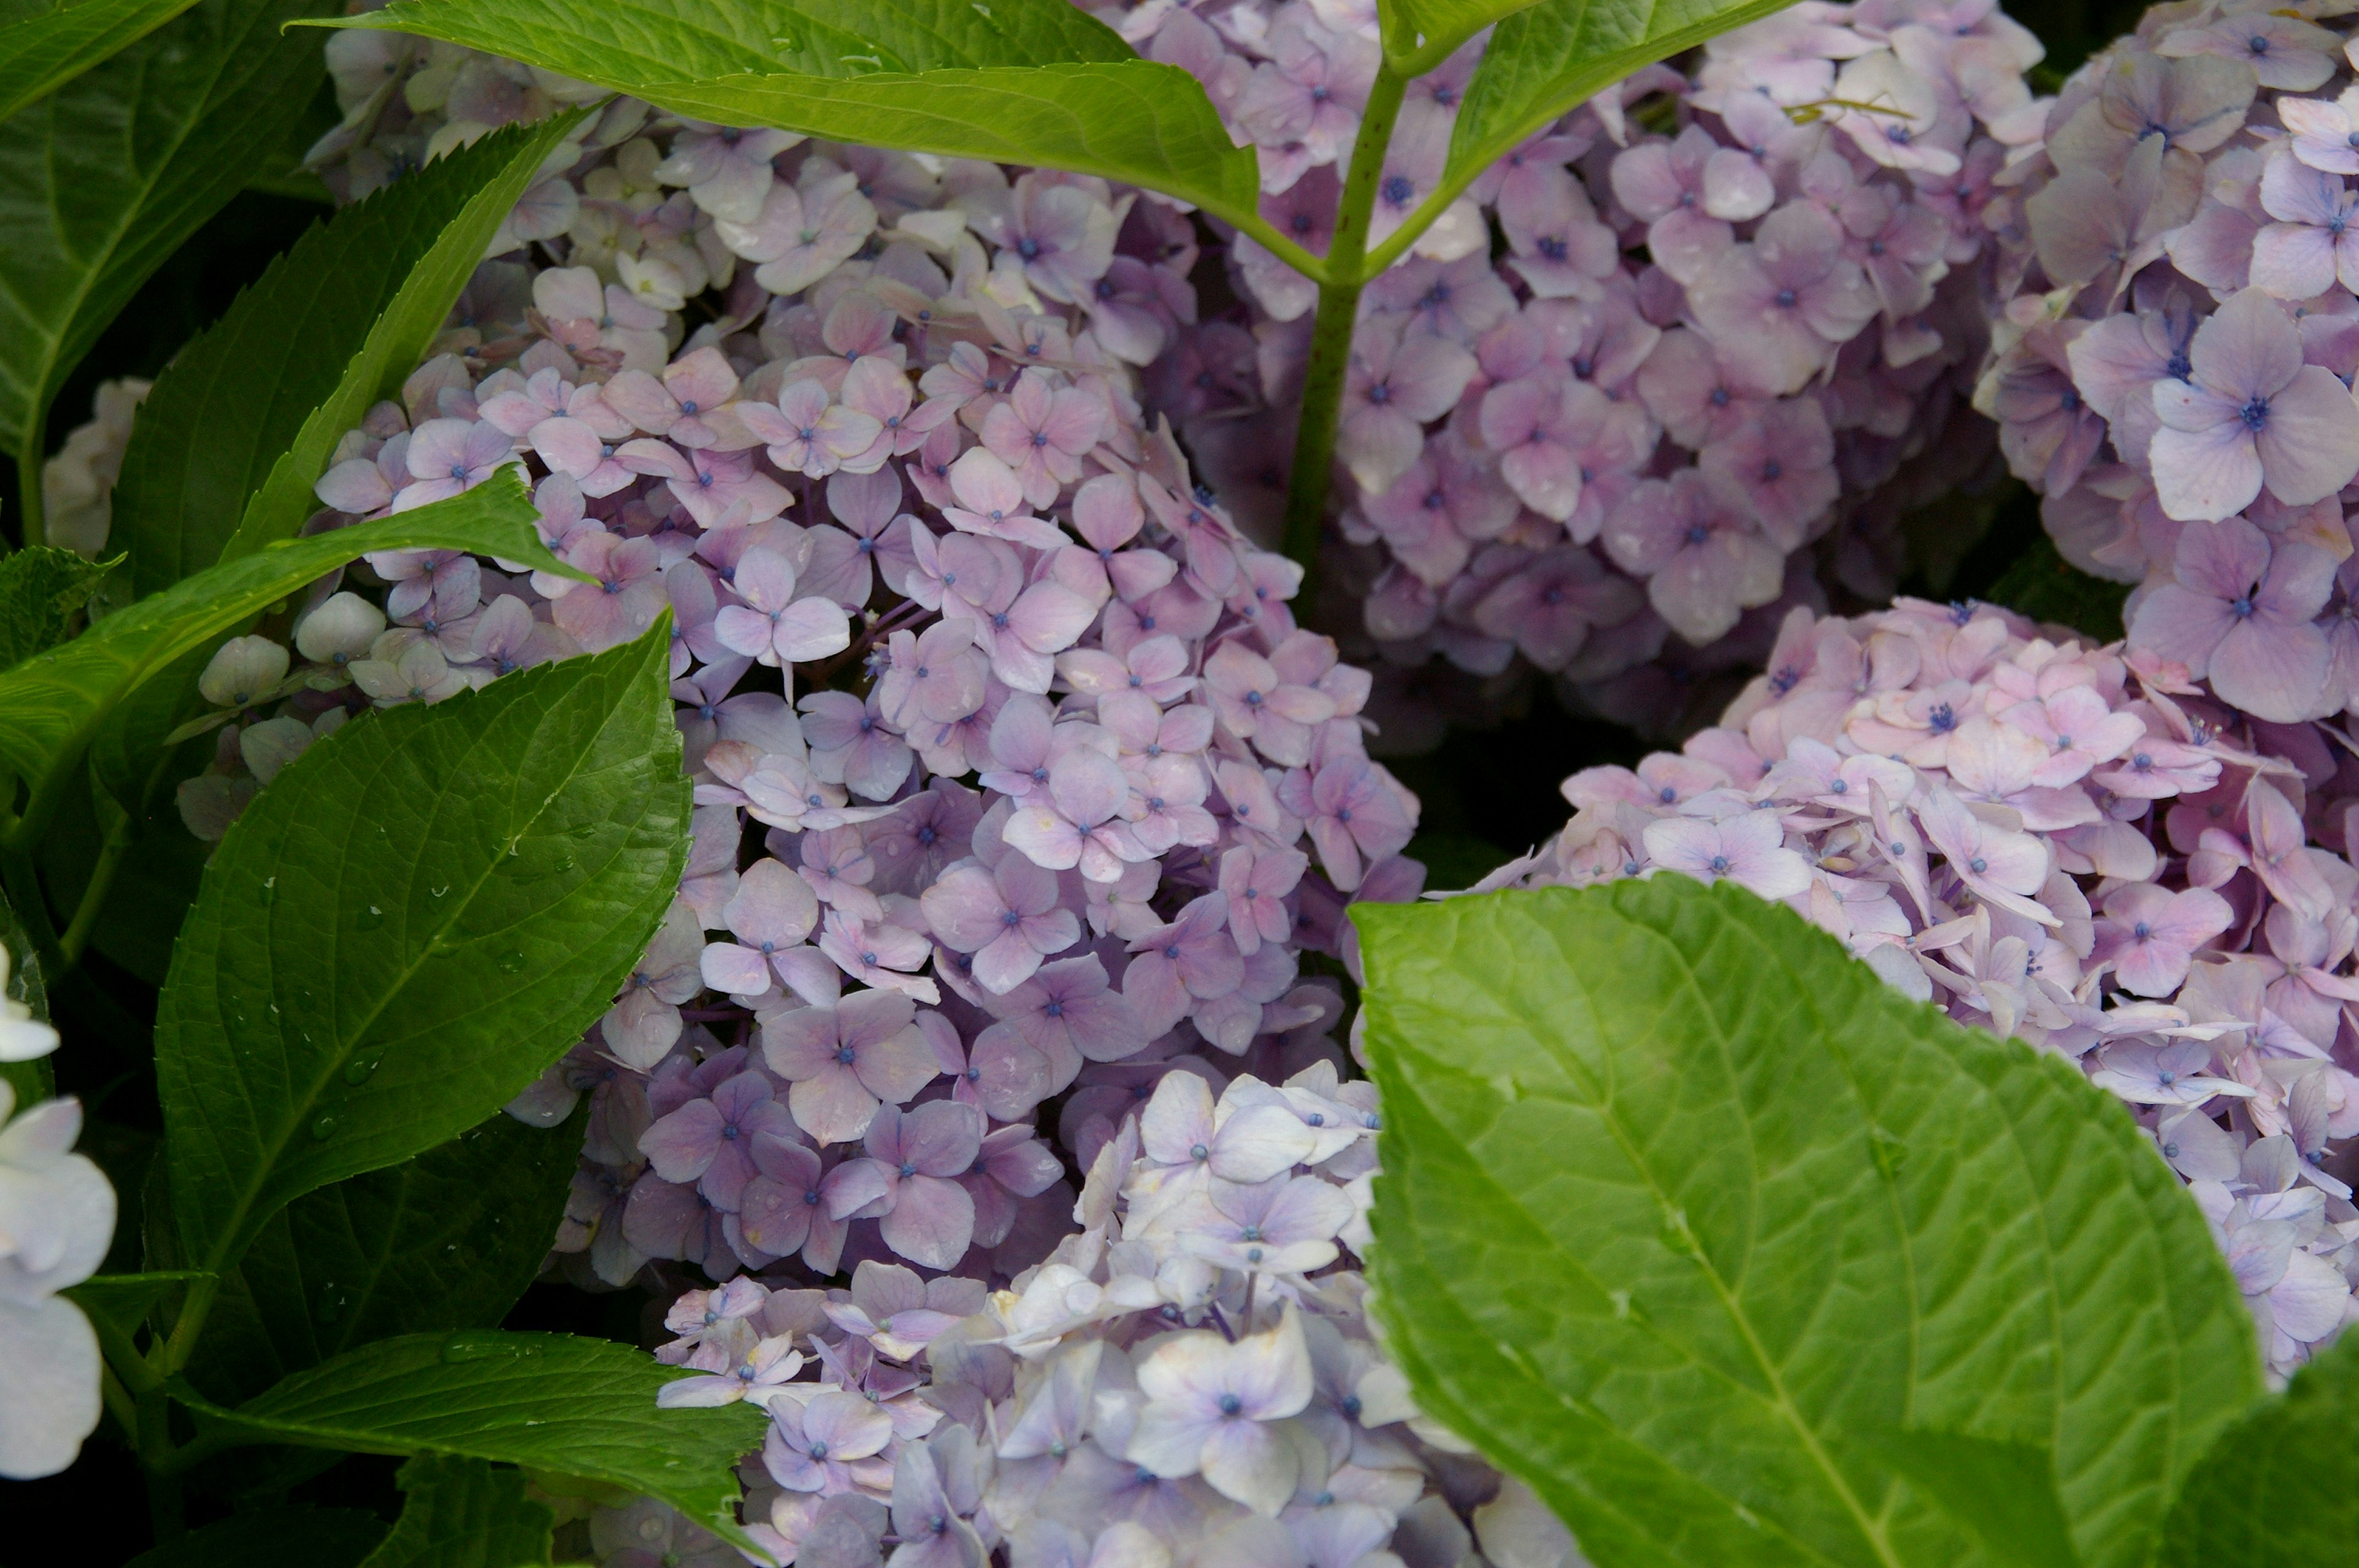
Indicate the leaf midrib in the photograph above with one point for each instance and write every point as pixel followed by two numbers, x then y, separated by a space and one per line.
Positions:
pixel 1783 1405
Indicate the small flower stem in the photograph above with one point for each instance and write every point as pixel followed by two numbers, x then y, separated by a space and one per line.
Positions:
pixel 1331 334
pixel 164 1500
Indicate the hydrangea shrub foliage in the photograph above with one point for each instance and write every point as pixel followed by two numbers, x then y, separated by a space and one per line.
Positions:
pixel 743 900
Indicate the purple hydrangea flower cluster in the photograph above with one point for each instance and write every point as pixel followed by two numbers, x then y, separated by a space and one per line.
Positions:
pixel 1718 352
pixel 1015 780
pixel 2072 845
pixel 1189 1377
pixel 2173 368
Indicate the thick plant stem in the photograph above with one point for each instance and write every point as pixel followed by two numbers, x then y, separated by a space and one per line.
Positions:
pixel 32 527
pixel 1330 337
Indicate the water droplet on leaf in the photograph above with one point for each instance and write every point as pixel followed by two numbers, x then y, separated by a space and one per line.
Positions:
pixel 511 962
pixel 323 1128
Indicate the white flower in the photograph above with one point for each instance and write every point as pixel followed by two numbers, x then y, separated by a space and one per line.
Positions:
pixel 57 1217
pixel 23 1037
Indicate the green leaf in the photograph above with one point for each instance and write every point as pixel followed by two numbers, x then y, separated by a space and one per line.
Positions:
pixel 120 1302
pixel 419 915
pixel 462 1513
pixel 47 44
pixel 1683 1211
pixel 364 293
pixel 315 1538
pixel 1133 120
pixel 41 590
pixel 692 40
pixel 2003 1492
pixel 1550 58
pixel 100 181
pixel 34 1080
pixel 582 1406
pixel 50 705
pixel 448 1240
pixel 2282 1485
pixel 1022 82
pixel 2043 585
pixel 1420 31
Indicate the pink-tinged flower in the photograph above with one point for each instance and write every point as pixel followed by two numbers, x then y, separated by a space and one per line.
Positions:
pixel 710 1142
pixel 1556 439
pixel 807 432
pixel 845 1061
pixel 2080 730
pixel 726 171
pixel 1392 388
pixel 1353 809
pixel 1662 182
pixel 2239 613
pixel 992 502
pixel 1784 299
pixel 1311 91
pixel 713 486
pixel 774 627
pixel 1777 467
pixel 574 448
pixel 1069 1012
pixel 1175 966
pixel 2313 243
pixel 1136 308
pixel 450 457
pixel 1703 559
pixel 2324 136
pixel 2251 414
pixel 2149 935
pixel 1561 250
pixel 2288 54
pixel 1212 1406
pixel 1042 432
pixel 1073 822
pixel 886 954
pixel 914 1159
pixel 1058 233
pixel 599 322
pixel 1155 668
pixel 1548 607
pixel 770 915
pixel 755 1373
pixel 2146 1074
pixel 1999 865
pixel 851 744
pixel 829 1445
pixel 1022 628
pixel 1253 703
pixel 879 387
pixel 625 599
pixel 1007 916
pixel 644 1020
pixel 675 408
pixel 1257 883
pixel 936 677
pixel 783 1210
pixel 802 236
pixel 2281 855
pixel 1748 850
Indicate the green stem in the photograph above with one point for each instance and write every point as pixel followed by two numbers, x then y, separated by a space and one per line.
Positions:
pixel 1330 335
pixel 156 1457
pixel 119 1403
pixel 102 877
pixel 30 524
